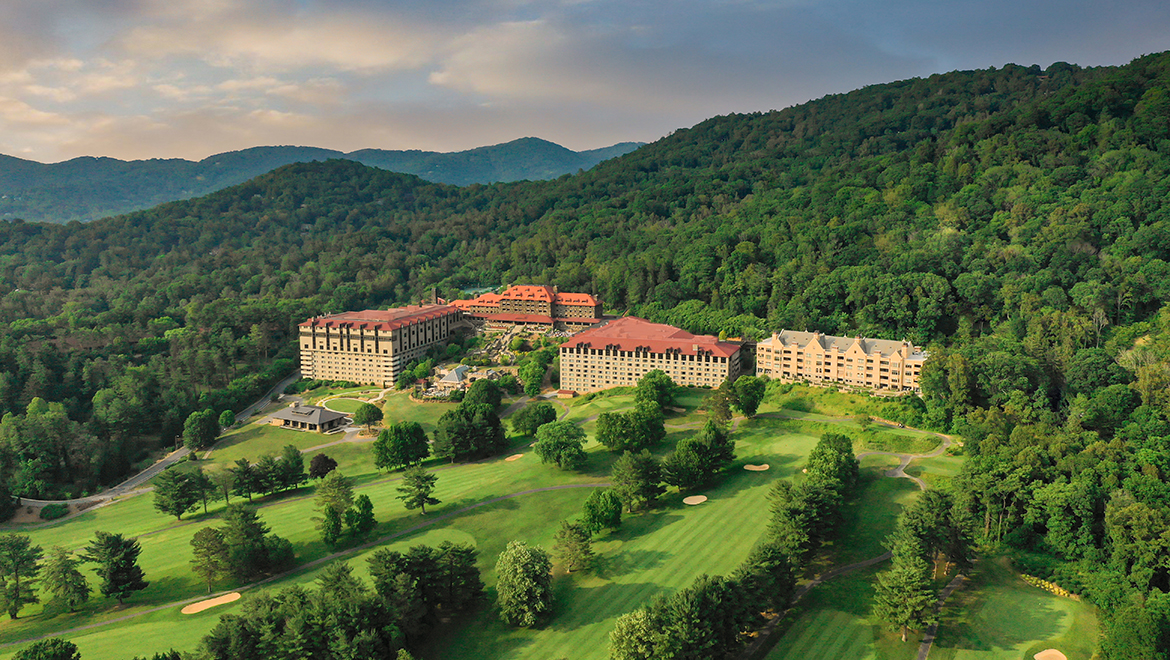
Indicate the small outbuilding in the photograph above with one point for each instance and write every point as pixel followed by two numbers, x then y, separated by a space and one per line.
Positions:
pixel 454 379
pixel 308 418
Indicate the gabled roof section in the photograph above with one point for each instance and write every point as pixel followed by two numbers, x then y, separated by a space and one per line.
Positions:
pixel 308 414
pixel 634 334
pixel 381 319
pixel 803 340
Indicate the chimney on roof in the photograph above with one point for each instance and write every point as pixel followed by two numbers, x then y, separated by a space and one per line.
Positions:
pixel 556 289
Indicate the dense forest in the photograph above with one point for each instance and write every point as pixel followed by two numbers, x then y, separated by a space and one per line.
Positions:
pixel 88 188
pixel 1015 220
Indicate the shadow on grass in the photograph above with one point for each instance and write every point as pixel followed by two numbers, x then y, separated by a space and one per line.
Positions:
pixel 574 610
pixel 622 562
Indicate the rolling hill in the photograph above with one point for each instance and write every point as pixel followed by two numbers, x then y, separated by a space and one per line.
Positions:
pixel 88 188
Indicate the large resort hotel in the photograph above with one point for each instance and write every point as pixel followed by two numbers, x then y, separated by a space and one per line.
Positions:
pixel 534 305
pixel 372 346
pixel 623 350
pixel 874 364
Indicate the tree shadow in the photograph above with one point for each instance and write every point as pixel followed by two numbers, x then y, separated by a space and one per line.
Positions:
pixel 578 605
pixel 622 562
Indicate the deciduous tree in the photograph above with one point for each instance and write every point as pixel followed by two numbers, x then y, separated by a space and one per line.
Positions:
pixel 560 443
pixel 602 510
pixel 524 586
pixel 53 648
pixel 367 414
pixel 531 417
pixel 637 480
pixel 400 445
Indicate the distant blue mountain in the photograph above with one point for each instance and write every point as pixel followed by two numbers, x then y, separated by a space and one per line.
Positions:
pixel 87 188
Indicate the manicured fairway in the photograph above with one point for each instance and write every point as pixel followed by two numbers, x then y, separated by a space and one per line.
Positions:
pixel 833 624
pixel 1000 617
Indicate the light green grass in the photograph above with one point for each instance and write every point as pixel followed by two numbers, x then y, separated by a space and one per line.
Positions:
pixel 257 439
pixel 936 471
pixel 399 408
pixel 344 405
pixel 997 616
pixel 871 516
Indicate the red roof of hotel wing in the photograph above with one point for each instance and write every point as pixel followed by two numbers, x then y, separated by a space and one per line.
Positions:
pixel 631 333
pixel 539 293
pixel 381 319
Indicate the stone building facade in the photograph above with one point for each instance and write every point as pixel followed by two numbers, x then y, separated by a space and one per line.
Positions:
pixel 873 364
pixel 534 305
pixel 623 350
pixel 372 346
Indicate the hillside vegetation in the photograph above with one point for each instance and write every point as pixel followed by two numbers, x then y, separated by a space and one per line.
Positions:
pixel 1017 220
pixel 88 188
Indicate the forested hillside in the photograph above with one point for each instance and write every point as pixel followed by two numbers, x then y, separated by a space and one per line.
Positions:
pixel 87 188
pixel 1016 220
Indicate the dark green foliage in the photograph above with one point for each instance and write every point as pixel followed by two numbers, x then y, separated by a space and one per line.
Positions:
pixel 211 555
pixel 655 389
pixel 63 579
pixel 635 430
pixel 531 417
pixel 176 493
pixel 252 549
pixel 367 415
pixel 330 527
pixel 117 565
pixel 342 618
pixel 19 567
pixel 904 597
pixel 360 519
pixel 227 418
pixel 574 546
pixel 200 430
pixel 321 465
pixel 749 393
pixel 427 583
pixel 54 511
pixel 483 391
pixel 524 587
pixel 417 486
pixel 560 443
pixel 53 648
pixel 469 431
pixel 399 445
pixel 696 461
pixel 602 510
pixel 8 502
pixel 637 480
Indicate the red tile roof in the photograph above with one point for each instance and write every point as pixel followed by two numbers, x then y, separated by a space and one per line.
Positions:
pixel 537 293
pixel 631 333
pixel 381 319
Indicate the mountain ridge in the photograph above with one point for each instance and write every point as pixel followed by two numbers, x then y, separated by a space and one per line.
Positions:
pixel 91 187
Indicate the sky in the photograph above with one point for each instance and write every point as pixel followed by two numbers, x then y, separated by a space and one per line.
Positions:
pixel 138 79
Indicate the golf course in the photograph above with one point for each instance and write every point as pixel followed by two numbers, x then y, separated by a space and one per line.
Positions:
pixel 491 502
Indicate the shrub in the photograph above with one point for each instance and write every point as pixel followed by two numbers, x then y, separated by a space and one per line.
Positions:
pixel 54 511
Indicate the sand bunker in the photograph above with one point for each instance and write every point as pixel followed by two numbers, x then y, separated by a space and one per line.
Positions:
pixel 1050 654
pixel 514 457
pixel 695 499
pixel 756 468
pixel 195 608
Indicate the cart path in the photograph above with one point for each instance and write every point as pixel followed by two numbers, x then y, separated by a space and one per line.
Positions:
pixel 932 630
pixel 304 567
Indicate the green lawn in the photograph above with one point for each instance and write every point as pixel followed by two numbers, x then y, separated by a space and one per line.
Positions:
pixel 344 405
pixel 657 552
pixel 399 408
pixel 997 616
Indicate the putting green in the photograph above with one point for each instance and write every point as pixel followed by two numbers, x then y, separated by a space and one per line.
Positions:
pixel 997 616
pixel 344 405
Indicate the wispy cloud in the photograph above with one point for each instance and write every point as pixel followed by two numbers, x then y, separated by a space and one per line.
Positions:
pixel 132 78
